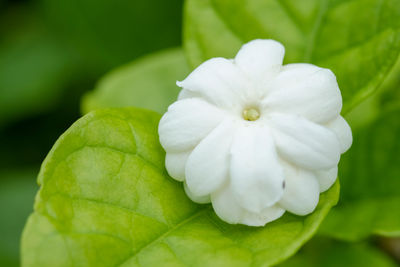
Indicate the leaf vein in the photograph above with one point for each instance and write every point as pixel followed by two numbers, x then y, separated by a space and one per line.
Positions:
pixel 166 233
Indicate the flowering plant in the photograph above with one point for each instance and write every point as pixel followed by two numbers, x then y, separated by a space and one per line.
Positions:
pixel 252 131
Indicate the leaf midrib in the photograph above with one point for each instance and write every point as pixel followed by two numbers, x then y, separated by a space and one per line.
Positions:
pixel 166 233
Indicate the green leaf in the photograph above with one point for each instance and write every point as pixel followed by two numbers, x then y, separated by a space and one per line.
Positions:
pixel 369 173
pixel 328 253
pixel 385 99
pixel 106 200
pixel 148 83
pixel 17 189
pixel 358 39
pixel 390 96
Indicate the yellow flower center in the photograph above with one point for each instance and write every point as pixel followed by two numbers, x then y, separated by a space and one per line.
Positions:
pixel 251 114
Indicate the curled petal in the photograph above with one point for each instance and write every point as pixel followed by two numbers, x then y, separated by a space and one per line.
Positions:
pixel 305 90
pixel 301 192
pixel 227 208
pixel 218 81
pixel 326 178
pixel 175 164
pixel 304 143
pixel 256 175
pixel 257 58
pixel 184 94
pixel 342 131
pixel 198 199
pixel 186 123
pixel 208 165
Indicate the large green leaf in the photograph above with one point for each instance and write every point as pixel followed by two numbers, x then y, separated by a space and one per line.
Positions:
pixel 148 83
pixel 358 39
pixel 106 200
pixel 328 253
pixel 17 189
pixel 370 178
pixel 390 96
pixel 386 98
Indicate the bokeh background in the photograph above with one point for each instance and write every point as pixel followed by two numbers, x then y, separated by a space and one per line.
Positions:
pixel 51 53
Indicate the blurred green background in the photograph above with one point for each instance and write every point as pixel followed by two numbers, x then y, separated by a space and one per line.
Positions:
pixel 51 53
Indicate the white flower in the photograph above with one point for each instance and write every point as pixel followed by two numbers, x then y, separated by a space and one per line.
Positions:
pixel 254 137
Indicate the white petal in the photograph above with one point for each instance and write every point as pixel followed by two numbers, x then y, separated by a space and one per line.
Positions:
pixel 326 178
pixel 256 175
pixel 227 208
pixel 198 199
pixel 186 123
pixel 305 143
pixel 175 164
pixel 265 216
pixel 225 205
pixel 219 81
pixel 306 90
pixel 183 94
pixel 207 167
pixel 258 57
pixel 301 193
pixel 342 131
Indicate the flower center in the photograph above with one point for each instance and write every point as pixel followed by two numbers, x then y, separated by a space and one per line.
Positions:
pixel 251 114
